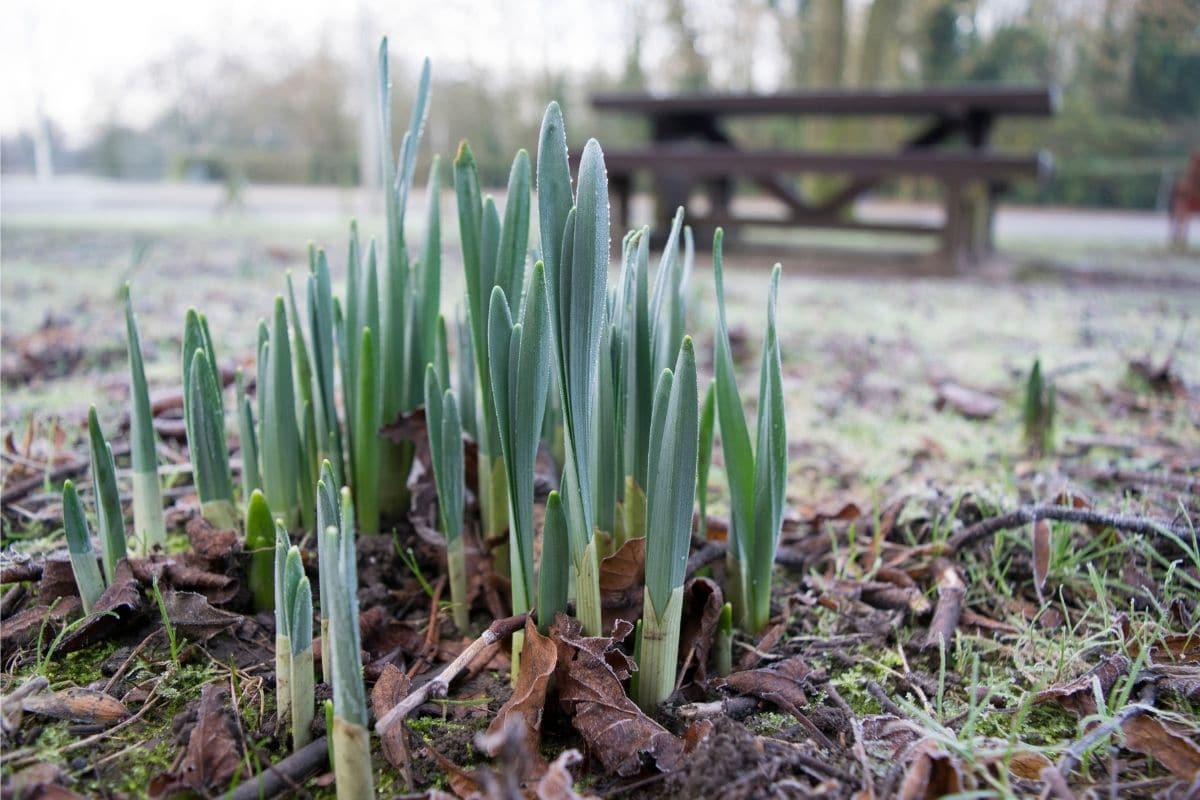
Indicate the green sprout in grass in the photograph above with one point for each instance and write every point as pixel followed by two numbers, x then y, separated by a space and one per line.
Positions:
pixel 757 476
pixel 260 545
pixel 1038 411
pixel 79 546
pixel 109 517
pixel 351 743
pixel 204 415
pixel 279 437
pixel 446 452
pixel 297 620
pixel 148 525
pixel 671 491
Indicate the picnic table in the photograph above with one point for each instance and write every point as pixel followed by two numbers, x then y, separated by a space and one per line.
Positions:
pixel 691 149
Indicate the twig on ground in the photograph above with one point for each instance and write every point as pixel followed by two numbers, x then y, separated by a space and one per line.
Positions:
pixel 951 591
pixel 438 686
pixel 1030 514
pixel 287 774
pixel 11 599
pixel 737 707
pixel 1055 775
pixel 886 703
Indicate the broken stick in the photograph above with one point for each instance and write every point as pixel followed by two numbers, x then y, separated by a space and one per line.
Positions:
pixel 438 686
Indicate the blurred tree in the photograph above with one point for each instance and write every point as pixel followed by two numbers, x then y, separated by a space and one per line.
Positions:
pixel 1165 76
pixel 687 68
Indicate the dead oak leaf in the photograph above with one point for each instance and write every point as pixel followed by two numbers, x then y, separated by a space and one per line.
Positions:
pixel 931 773
pixel 781 684
pixel 539 657
pixel 212 758
pixel 192 614
pixel 589 673
pixel 392 687
pixel 1167 744
pixel 702 602
pixel 557 783
pixel 1078 695
pixel 120 603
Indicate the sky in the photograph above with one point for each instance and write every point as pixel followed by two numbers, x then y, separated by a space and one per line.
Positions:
pixel 88 61
pixel 82 58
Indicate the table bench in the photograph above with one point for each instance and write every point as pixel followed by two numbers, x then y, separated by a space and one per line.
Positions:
pixel 690 150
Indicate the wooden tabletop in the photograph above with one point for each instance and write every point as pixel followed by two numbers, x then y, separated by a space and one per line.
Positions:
pixel 1037 101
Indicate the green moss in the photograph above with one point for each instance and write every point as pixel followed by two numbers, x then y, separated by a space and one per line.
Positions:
pixel 770 722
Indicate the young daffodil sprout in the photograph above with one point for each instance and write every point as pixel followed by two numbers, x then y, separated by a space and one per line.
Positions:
pixel 351 743
pixel 758 476
pixel 109 517
pixel 204 415
pixel 296 618
pixel 79 546
pixel 446 450
pixel 553 576
pixel 520 379
pixel 575 243
pixel 674 436
pixel 283 641
pixel 494 254
pixel 260 545
pixel 279 437
pixel 1038 411
pixel 148 526
pixel 406 289
pixel 247 438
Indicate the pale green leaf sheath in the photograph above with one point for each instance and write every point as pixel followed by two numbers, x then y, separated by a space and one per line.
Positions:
pixel 148 526
pixel 674 436
pixel 79 546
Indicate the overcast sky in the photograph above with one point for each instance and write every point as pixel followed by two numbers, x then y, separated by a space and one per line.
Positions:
pixel 79 56
pixel 84 58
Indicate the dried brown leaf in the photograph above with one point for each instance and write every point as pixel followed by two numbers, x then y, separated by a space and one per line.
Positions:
pixel 192 614
pixel 116 606
pixel 557 783
pixel 212 758
pixel 23 627
pixel 539 656
pixel 931 773
pixel 392 687
pixel 780 683
pixel 702 602
pixel 1077 695
pixel 77 704
pixel 590 670
pixel 626 568
pixel 214 545
pixel 1167 744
